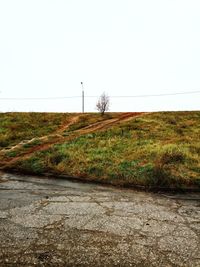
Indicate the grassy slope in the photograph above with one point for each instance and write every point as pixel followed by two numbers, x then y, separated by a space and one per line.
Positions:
pixel 158 149
pixel 16 127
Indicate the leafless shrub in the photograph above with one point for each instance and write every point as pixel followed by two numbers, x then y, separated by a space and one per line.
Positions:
pixel 103 103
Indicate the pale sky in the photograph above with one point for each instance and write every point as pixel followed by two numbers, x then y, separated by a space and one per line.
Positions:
pixel 122 47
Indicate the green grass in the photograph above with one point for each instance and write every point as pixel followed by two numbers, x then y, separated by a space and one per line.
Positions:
pixel 16 127
pixel 157 149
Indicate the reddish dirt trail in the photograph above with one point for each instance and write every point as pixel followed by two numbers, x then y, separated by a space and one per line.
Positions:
pixel 99 126
pixel 65 126
pixel 57 133
pixel 57 138
pixel 103 125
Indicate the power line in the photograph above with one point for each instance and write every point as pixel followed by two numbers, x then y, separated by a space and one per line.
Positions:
pixel 154 95
pixel 121 96
pixel 38 98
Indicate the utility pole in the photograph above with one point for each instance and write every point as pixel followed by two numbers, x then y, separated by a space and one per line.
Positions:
pixel 82 97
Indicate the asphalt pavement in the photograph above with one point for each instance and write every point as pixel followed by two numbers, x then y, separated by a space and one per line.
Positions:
pixel 54 222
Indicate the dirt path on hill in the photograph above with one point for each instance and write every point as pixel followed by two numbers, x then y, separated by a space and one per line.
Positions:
pixel 98 126
pixel 65 126
pixel 56 134
pixel 103 125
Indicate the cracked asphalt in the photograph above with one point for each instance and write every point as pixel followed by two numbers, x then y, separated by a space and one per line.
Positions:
pixel 51 222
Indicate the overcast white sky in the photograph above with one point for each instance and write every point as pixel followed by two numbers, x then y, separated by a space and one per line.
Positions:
pixel 122 47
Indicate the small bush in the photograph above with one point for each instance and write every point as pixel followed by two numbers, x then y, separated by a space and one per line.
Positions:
pixel 166 163
pixel 57 157
pixel 171 154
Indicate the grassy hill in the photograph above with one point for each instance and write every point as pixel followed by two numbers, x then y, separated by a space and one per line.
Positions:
pixel 147 149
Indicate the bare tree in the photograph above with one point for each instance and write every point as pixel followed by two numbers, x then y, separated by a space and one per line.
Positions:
pixel 103 104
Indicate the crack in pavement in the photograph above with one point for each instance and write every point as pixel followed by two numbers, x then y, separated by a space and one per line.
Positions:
pixel 77 225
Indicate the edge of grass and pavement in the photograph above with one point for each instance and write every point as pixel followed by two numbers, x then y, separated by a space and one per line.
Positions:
pixel 151 151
